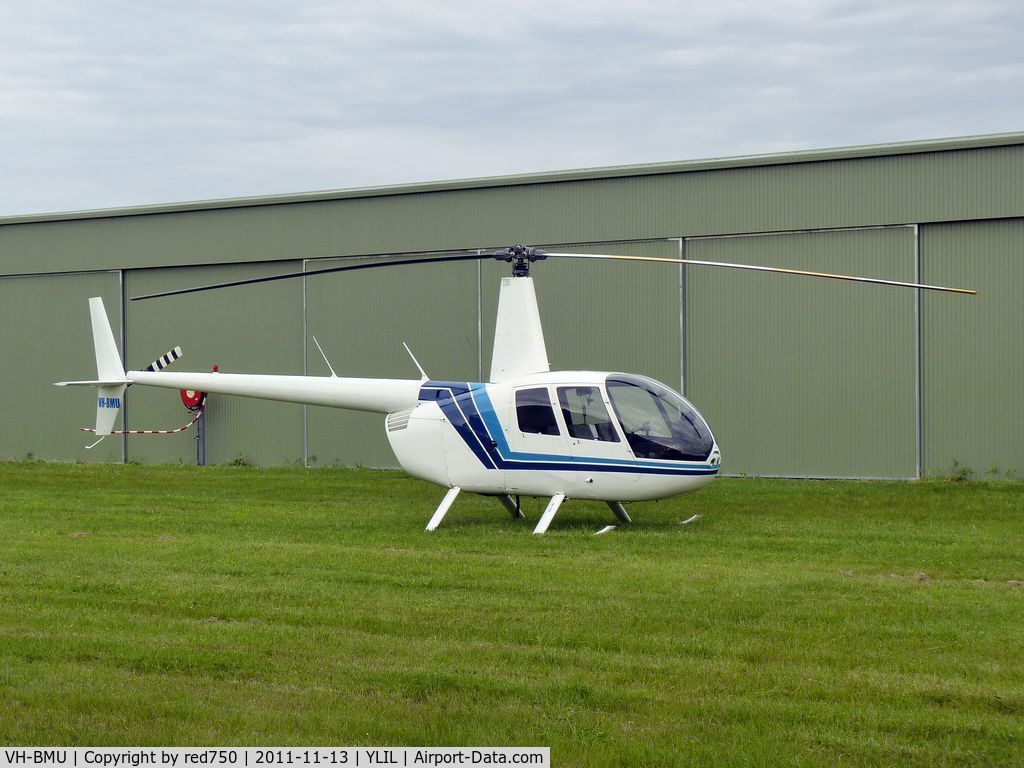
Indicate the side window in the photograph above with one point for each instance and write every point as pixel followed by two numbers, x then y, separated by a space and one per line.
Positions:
pixel 534 412
pixel 585 415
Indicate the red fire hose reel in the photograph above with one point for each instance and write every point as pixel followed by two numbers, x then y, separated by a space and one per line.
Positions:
pixel 192 399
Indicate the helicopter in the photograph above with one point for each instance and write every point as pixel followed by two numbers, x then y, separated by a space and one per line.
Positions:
pixel 613 437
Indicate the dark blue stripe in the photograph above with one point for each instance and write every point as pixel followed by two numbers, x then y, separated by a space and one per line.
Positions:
pixel 455 398
pixel 444 393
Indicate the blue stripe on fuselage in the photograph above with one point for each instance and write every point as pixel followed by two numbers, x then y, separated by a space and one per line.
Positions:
pixel 468 407
pixel 450 396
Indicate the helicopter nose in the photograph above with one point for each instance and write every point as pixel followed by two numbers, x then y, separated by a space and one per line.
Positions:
pixel 715 459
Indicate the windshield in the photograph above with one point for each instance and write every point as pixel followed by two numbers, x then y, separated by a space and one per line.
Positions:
pixel 658 423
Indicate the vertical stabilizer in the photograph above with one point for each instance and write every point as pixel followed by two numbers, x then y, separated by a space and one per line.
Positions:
pixel 518 337
pixel 107 407
pixel 108 369
pixel 108 361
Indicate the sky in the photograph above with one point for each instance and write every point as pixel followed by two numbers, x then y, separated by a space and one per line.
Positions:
pixel 120 103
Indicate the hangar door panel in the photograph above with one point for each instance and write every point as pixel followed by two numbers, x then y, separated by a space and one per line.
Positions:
pixel 361 319
pixel 801 376
pixel 973 365
pixel 47 337
pixel 247 329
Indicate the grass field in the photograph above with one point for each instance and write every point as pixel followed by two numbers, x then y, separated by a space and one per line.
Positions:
pixel 797 623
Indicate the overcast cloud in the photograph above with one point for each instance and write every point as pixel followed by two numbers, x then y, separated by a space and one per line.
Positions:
pixel 129 103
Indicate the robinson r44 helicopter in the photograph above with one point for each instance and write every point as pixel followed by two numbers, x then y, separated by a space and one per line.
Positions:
pixel 528 431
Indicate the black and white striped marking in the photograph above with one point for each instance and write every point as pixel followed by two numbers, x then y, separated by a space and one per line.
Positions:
pixel 164 360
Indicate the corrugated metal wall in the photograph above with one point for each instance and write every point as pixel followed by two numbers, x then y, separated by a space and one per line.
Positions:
pixel 361 320
pixel 974 350
pixel 797 377
pixel 806 377
pixel 45 337
pixel 255 329
pixel 986 182
pixel 602 316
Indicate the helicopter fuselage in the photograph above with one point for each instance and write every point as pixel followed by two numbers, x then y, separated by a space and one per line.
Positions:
pixel 587 434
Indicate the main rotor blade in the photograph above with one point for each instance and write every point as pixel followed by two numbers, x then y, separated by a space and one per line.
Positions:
pixel 756 268
pixel 310 273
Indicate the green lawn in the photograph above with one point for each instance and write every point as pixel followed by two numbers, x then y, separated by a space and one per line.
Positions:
pixel 797 623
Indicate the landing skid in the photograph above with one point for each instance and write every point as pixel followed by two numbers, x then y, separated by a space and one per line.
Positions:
pixel 556 501
pixel 512 505
pixel 514 508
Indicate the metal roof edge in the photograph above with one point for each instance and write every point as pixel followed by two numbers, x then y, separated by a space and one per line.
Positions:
pixel 544 177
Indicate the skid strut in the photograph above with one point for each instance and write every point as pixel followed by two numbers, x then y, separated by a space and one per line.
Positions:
pixel 619 510
pixel 442 510
pixel 512 506
pixel 549 513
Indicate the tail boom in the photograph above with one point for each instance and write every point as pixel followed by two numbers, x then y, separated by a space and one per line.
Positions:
pixel 373 395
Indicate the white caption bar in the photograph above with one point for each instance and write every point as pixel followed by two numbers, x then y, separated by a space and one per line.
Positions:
pixel 258 757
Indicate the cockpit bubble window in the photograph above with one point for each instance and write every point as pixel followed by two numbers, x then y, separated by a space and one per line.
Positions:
pixel 534 412
pixel 658 423
pixel 585 416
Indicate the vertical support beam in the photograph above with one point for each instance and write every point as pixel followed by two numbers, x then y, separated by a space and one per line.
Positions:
pixel 442 510
pixel 305 369
pixel 201 438
pixel 549 513
pixel 479 319
pixel 124 363
pixel 918 361
pixel 682 317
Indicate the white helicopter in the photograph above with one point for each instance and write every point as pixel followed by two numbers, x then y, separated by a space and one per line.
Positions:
pixel 528 431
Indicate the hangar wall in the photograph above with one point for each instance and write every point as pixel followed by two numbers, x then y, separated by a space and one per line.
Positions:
pixel 789 357
pixel 797 377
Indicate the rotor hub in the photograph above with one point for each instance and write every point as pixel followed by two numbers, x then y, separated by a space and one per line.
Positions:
pixel 520 256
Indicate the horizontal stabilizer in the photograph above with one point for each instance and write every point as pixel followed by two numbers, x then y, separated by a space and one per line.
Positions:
pixel 91 383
